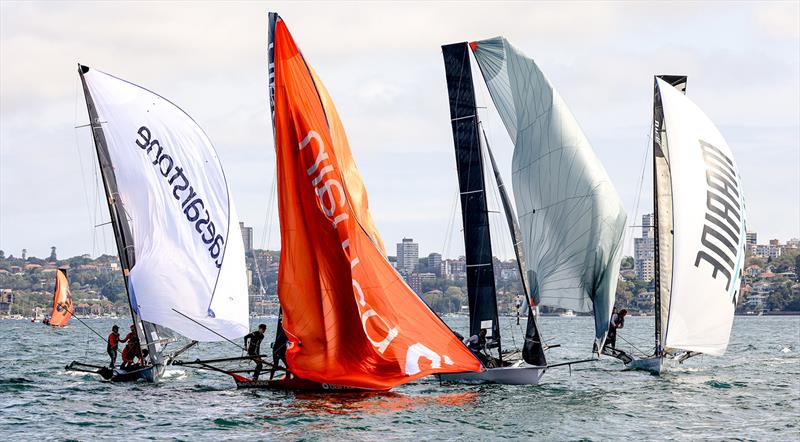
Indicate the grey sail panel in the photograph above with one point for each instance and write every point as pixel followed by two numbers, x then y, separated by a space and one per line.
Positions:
pixel 532 349
pixel 123 236
pixel 662 202
pixel 571 219
pixel 469 161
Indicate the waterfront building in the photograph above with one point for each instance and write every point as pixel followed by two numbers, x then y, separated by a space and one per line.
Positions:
pixel 247 237
pixel 751 238
pixel 644 250
pixel 407 255
pixel 435 264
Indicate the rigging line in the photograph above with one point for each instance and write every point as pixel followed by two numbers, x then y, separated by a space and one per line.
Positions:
pixel 634 347
pixel 80 163
pixel 212 331
pixel 637 199
pixel 72 312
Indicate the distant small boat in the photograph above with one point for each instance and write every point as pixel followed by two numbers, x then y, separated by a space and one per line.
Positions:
pixel 62 301
pixel 568 314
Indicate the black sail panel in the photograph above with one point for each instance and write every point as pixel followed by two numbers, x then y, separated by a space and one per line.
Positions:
pixel 477 241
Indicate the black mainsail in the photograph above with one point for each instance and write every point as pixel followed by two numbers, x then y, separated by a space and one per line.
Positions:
pixel 481 294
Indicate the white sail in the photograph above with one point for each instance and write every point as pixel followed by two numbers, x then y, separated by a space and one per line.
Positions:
pixel 188 248
pixel 708 224
pixel 572 220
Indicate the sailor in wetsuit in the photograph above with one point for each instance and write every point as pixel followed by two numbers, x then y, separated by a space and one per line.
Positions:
pixel 617 322
pixel 132 348
pixel 252 341
pixel 113 345
pixel 477 344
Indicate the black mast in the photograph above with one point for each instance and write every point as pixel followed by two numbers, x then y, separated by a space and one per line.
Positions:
pixel 122 230
pixel 659 139
pixel 477 241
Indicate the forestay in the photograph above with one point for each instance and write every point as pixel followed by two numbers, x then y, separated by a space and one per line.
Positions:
pixel 188 248
pixel 571 218
pixel 708 222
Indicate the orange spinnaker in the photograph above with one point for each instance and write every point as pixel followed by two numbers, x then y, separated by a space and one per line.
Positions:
pixel 62 301
pixel 350 318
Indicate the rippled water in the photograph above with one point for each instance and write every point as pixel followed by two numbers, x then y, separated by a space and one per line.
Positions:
pixel 753 392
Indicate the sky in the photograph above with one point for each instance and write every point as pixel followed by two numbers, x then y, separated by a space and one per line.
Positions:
pixel 382 65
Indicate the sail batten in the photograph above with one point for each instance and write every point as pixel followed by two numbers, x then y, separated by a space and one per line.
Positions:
pixel 571 218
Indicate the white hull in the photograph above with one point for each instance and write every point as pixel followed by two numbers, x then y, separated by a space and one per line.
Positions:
pixel 655 365
pixel 528 375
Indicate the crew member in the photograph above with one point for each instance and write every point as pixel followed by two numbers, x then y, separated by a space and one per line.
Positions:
pixel 477 345
pixel 252 341
pixel 113 345
pixel 132 348
pixel 617 322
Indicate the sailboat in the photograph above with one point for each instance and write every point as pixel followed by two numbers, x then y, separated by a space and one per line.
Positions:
pixel 699 224
pixel 62 301
pixel 349 319
pixel 174 221
pixel 568 236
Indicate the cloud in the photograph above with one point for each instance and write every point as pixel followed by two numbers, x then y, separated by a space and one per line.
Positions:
pixel 382 65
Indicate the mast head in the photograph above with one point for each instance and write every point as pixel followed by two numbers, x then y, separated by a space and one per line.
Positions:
pixel 82 69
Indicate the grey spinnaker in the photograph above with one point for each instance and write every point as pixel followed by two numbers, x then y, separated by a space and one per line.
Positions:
pixel 571 218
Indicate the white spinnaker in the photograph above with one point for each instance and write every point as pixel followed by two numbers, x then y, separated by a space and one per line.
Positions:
pixel 177 272
pixel 702 303
pixel 571 218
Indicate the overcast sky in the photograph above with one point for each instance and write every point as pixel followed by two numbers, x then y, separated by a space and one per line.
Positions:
pixel 382 65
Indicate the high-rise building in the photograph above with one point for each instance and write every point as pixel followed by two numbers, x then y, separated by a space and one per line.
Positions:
pixel 407 255
pixel 644 250
pixel 247 238
pixel 435 264
pixel 752 238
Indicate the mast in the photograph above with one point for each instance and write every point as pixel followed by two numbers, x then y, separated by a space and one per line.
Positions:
pixel 661 165
pixel 481 290
pixel 532 350
pixel 122 231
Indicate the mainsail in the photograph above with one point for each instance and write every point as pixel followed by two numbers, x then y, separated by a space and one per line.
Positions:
pixel 62 301
pixel 175 222
pixel 703 212
pixel 470 143
pixel 571 218
pixel 350 319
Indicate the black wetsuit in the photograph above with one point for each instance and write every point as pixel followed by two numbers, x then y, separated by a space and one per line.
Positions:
pixel 254 350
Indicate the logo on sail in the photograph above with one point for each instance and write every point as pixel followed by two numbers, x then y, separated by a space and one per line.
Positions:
pixel 193 205
pixel 722 231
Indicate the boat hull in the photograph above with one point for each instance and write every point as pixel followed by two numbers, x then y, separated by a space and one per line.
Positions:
pixel 148 373
pixel 654 365
pixel 293 383
pixel 528 375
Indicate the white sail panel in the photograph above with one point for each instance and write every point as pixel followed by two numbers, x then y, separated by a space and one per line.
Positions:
pixel 572 220
pixel 189 251
pixel 708 228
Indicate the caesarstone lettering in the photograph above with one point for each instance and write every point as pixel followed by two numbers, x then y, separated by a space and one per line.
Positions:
pixel 192 205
